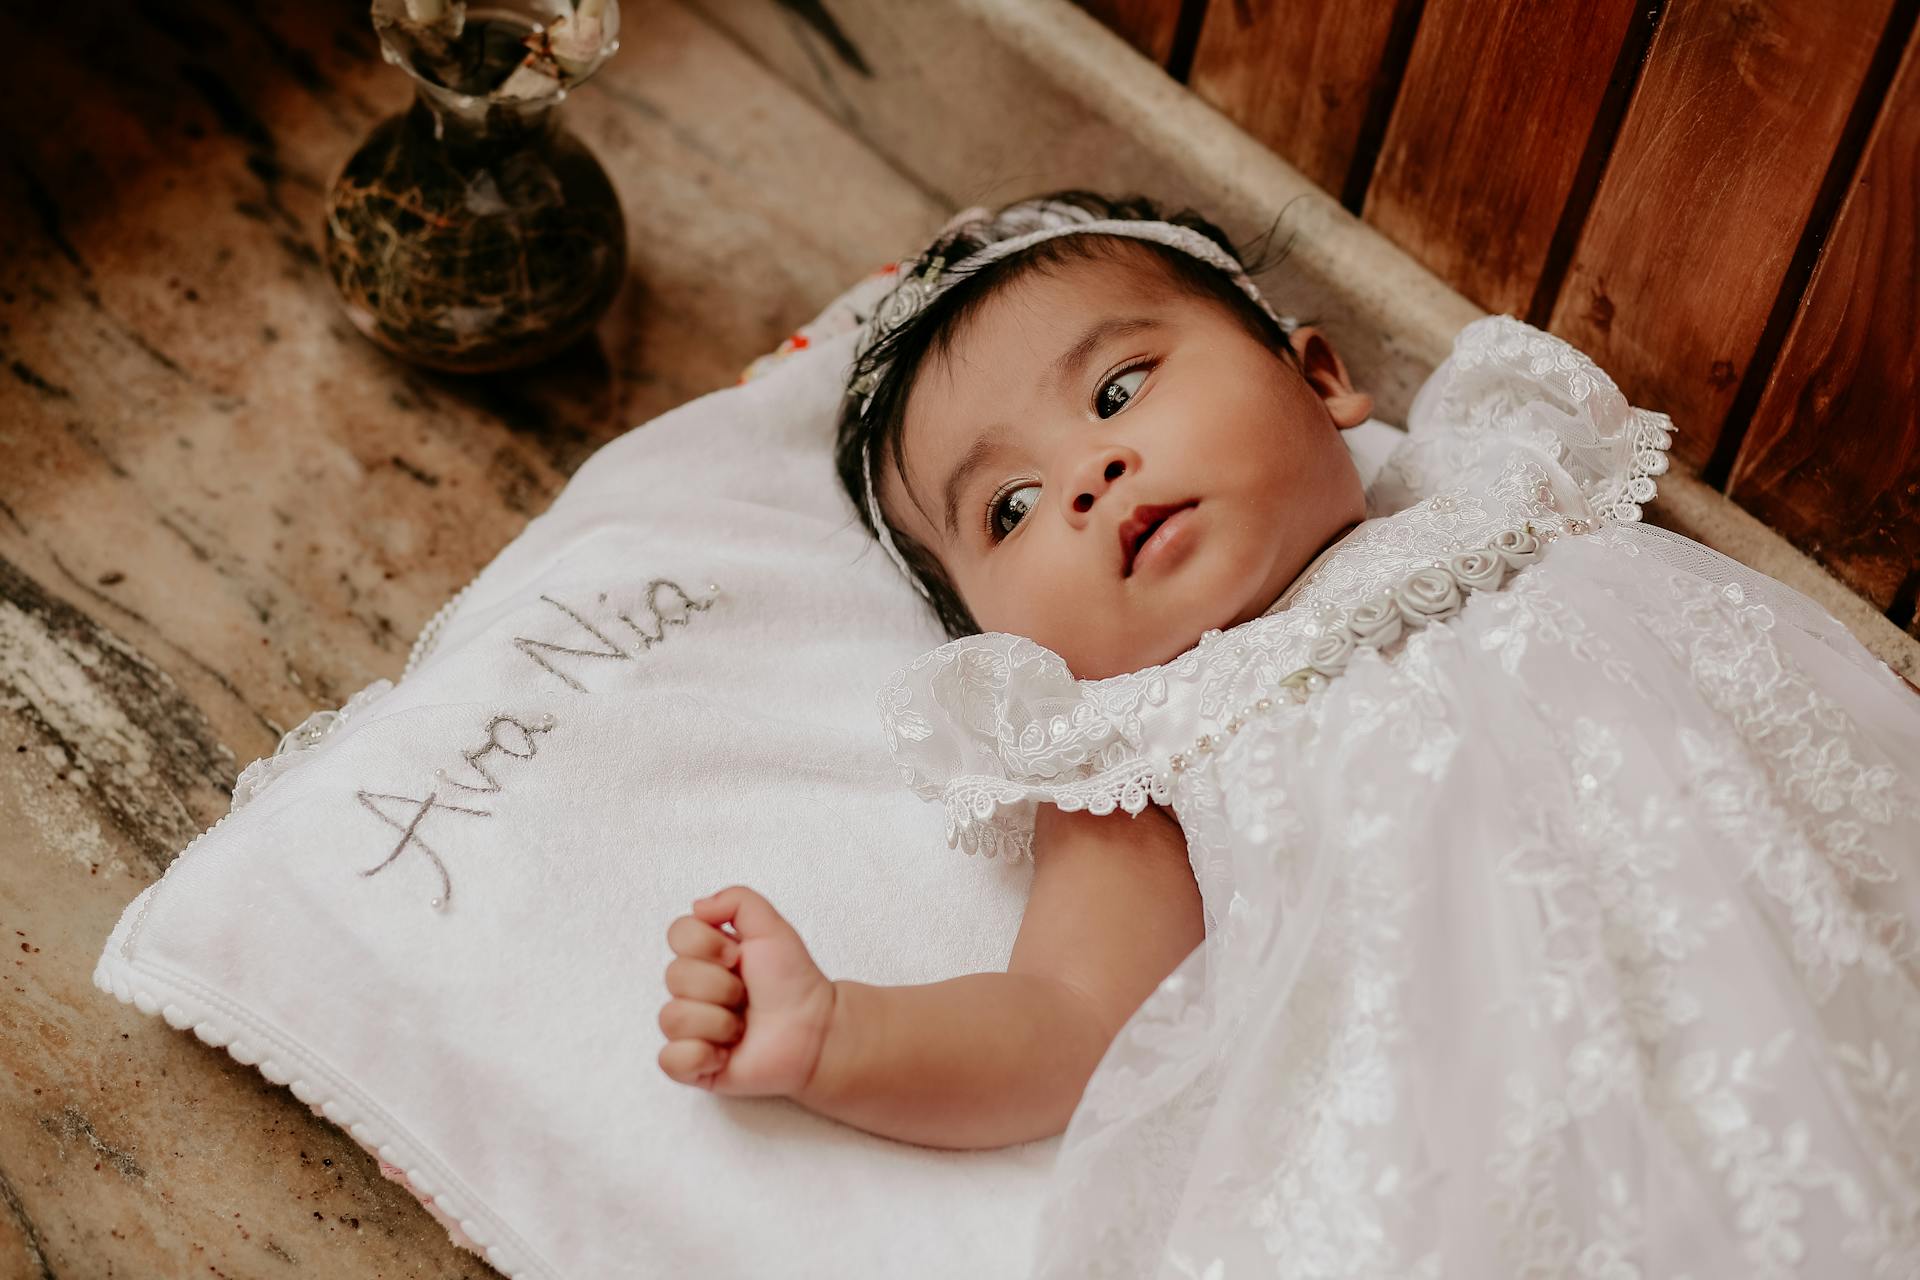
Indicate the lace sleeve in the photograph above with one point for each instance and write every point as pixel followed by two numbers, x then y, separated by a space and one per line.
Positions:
pixel 1507 380
pixel 990 725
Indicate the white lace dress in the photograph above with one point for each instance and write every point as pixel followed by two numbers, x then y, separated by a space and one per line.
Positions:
pixel 1561 882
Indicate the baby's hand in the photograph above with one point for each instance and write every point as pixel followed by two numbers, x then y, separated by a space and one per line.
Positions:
pixel 752 1009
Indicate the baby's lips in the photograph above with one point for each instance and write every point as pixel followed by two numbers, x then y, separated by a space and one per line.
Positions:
pixel 1137 527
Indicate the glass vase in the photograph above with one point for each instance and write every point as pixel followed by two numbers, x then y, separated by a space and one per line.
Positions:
pixel 473 232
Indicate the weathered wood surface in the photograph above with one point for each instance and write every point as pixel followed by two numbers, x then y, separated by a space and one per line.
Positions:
pixel 1707 191
pixel 1302 77
pixel 1832 458
pixel 1488 135
pixel 220 508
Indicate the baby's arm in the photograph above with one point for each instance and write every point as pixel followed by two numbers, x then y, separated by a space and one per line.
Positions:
pixel 983 1060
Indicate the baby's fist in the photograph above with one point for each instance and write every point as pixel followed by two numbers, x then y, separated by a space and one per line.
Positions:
pixel 751 1010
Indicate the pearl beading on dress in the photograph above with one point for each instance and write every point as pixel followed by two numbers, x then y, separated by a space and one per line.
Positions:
pixel 1424 597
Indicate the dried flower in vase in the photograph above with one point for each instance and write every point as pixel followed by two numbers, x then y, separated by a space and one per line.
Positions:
pixel 473 232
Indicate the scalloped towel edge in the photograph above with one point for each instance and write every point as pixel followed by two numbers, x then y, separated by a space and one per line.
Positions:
pixel 186 1005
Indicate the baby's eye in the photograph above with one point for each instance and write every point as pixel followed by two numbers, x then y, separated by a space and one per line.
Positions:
pixel 1129 386
pixel 1009 507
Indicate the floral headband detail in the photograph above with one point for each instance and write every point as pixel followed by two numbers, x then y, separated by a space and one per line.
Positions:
pixel 1027 225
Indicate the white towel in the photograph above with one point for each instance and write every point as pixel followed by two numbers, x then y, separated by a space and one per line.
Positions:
pixel 501 1049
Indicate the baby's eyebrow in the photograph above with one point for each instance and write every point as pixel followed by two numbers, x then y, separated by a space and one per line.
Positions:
pixel 974 459
pixel 1064 369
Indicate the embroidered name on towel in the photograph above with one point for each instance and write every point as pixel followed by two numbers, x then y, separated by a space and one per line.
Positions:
pixel 487 769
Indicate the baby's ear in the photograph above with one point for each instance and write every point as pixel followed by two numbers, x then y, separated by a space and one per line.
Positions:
pixel 1326 373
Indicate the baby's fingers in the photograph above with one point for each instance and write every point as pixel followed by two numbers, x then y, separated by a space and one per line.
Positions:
pixel 701 941
pixel 703 980
pixel 698 1020
pixel 693 1062
pixel 751 915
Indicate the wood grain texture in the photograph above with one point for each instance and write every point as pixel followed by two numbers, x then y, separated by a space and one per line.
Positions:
pixel 1301 76
pixel 1487 137
pixel 221 509
pixel 1832 458
pixel 1147 25
pixel 1709 187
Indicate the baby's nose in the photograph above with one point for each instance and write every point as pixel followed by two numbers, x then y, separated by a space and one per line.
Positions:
pixel 1114 470
pixel 1095 476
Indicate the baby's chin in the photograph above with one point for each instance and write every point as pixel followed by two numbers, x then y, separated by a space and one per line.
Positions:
pixel 1128 642
pixel 1152 628
pixel 1129 650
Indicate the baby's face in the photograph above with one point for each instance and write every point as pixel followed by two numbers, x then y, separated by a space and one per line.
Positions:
pixel 1111 467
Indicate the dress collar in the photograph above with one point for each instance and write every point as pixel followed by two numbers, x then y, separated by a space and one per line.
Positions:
pixel 1301 579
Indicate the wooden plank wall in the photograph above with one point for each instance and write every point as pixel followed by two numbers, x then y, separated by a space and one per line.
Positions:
pixel 1832 456
pixel 1716 199
pixel 1148 25
pixel 1482 152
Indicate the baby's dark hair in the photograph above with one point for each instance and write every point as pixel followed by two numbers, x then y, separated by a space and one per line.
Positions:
pixel 932 330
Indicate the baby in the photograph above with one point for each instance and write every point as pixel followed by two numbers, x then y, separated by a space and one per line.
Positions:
pixel 1450 875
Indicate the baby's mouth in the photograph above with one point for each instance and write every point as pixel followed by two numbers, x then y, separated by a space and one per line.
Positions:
pixel 1140 526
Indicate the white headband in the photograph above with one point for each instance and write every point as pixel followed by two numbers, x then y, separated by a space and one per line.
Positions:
pixel 1047 221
